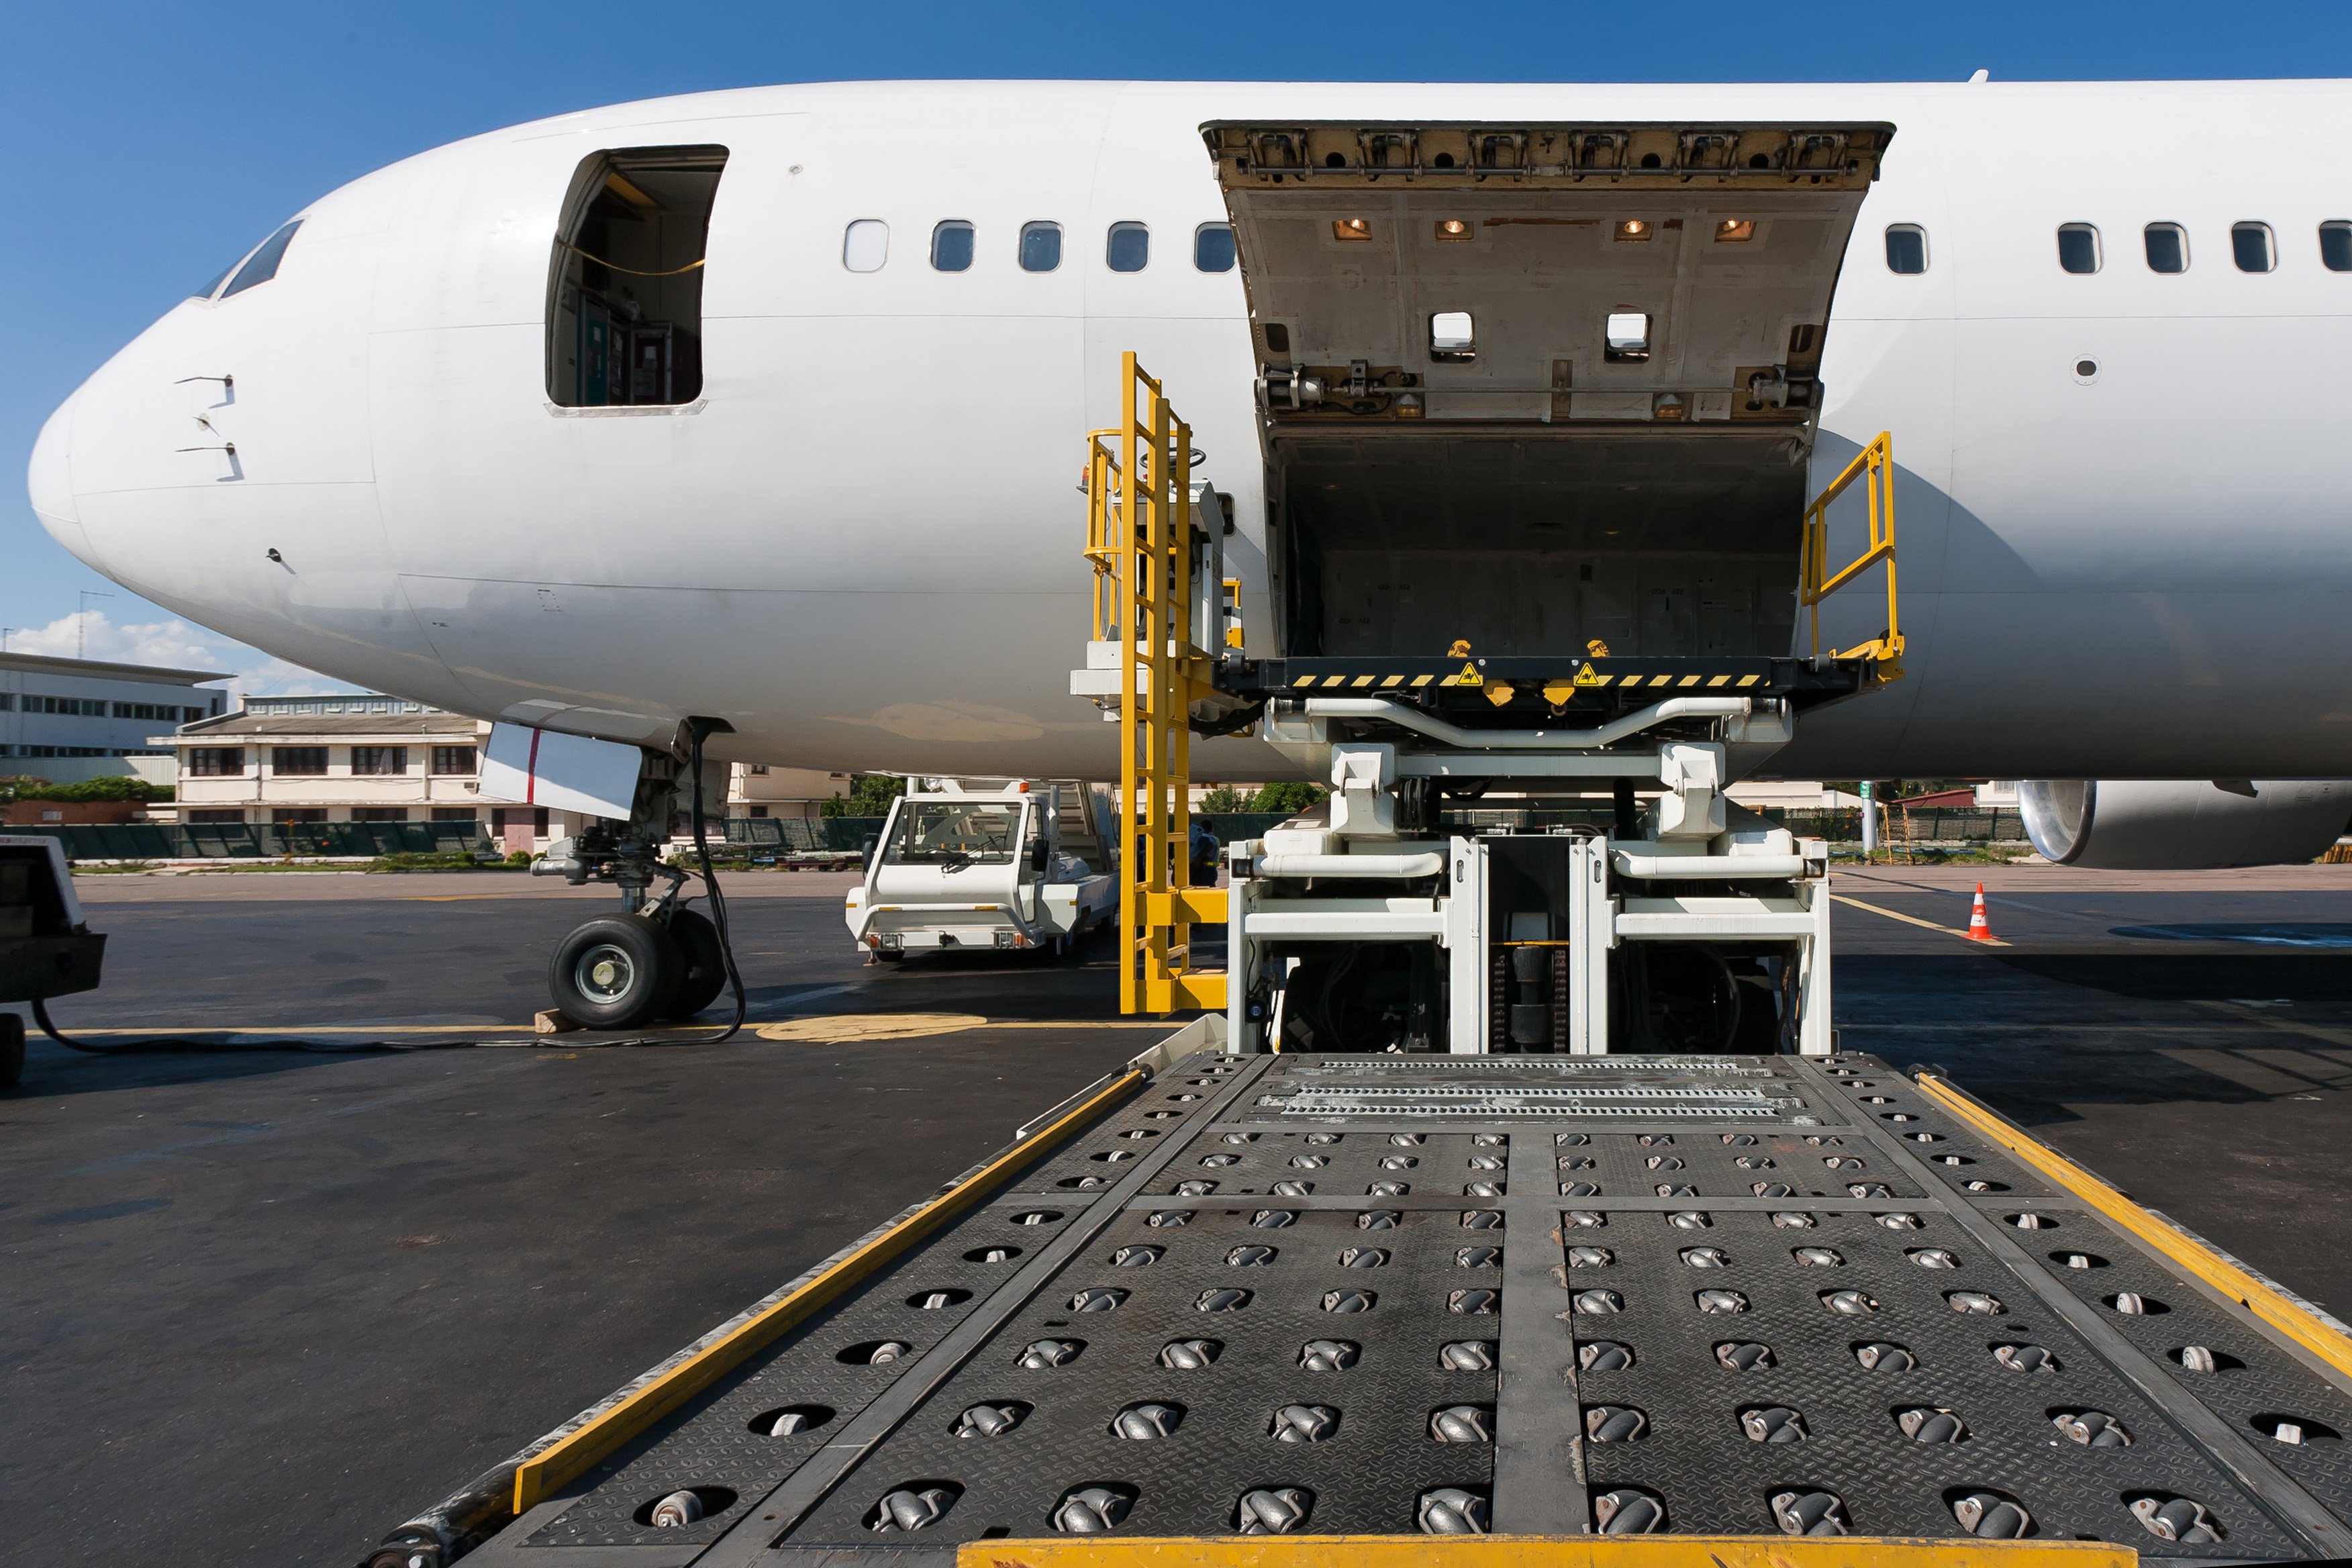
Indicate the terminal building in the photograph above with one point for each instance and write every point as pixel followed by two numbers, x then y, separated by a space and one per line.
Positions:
pixel 368 757
pixel 67 720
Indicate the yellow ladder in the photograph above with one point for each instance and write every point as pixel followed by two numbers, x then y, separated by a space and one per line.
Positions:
pixel 1875 464
pixel 1140 540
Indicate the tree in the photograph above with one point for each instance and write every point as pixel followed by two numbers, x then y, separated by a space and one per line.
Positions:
pixel 870 794
pixel 1225 797
pixel 112 787
pixel 1289 796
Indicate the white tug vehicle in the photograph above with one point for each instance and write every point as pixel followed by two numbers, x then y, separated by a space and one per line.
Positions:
pixel 984 865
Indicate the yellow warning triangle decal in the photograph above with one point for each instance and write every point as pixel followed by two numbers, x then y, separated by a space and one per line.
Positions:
pixel 1469 675
pixel 1585 677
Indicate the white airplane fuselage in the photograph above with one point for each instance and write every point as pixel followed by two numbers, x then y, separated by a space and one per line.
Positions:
pixel 860 546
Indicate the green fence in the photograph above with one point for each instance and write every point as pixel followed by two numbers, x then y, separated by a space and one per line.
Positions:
pixel 261 841
pixel 801 834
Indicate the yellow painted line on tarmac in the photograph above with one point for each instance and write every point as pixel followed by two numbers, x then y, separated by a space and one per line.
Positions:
pixel 1170 1024
pixel 1925 925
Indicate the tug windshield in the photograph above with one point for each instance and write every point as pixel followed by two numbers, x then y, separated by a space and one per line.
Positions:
pixel 955 832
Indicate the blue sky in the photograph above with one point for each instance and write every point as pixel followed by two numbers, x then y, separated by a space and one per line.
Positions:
pixel 153 143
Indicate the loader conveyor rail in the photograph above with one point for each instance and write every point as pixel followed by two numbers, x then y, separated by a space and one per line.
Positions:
pixel 1628 1301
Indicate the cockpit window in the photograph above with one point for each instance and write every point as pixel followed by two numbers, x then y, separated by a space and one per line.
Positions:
pixel 262 265
pixel 954 833
pixel 624 306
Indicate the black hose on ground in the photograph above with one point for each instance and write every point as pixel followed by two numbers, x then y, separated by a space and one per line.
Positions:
pixel 188 1044
pixel 699 730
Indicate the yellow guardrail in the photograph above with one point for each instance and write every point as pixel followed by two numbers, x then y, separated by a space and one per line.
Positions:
pixel 1139 543
pixel 1875 464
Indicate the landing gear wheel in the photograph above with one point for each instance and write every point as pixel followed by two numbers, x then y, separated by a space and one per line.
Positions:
pixel 704 975
pixel 616 973
pixel 12 1049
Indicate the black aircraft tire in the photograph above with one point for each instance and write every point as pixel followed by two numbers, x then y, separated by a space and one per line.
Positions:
pixel 705 975
pixel 617 972
pixel 12 1049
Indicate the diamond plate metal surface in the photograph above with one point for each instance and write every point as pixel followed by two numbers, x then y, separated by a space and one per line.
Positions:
pixel 1332 1224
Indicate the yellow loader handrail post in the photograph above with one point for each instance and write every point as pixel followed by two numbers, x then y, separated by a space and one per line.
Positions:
pixel 1875 464
pixel 1139 543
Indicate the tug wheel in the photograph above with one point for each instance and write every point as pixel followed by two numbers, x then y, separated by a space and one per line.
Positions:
pixel 616 972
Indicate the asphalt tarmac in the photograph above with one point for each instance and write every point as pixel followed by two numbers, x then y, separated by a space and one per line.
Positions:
pixel 258 1308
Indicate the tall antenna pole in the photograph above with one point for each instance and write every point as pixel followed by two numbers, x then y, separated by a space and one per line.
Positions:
pixel 81 620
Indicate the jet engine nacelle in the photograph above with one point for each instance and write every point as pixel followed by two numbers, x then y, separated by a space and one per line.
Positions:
pixel 2183 824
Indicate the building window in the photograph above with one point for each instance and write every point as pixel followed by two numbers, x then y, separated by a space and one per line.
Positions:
pixel 1128 247
pixel 502 817
pixel 454 760
pixel 1041 247
pixel 1212 247
pixel 952 246
pixel 292 762
pixel 2078 247
pixel 212 813
pixel 8 703
pixel 285 815
pixel 2168 248
pixel 379 813
pixel 759 811
pixel 2250 246
pixel 2335 246
pixel 79 707
pixel 757 770
pixel 379 759
pixel 454 814
pixel 625 293
pixel 216 763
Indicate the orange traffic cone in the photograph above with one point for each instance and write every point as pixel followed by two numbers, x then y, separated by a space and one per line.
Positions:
pixel 1979 928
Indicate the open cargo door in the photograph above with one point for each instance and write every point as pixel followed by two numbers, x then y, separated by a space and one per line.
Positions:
pixel 1538 385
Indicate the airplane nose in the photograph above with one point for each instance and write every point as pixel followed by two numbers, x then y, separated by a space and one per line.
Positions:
pixel 50 481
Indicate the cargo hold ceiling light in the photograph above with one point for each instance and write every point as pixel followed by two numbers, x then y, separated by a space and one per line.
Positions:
pixel 1351 228
pixel 1635 228
pixel 1735 230
pixel 1452 231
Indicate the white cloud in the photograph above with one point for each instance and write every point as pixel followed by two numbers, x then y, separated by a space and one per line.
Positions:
pixel 172 643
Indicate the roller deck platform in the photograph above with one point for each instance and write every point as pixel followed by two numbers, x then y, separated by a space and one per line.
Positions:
pixel 1391 1296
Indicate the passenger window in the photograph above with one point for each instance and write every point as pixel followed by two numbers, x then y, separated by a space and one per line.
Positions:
pixel 1906 249
pixel 866 244
pixel 2336 246
pixel 1212 247
pixel 2168 248
pixel 1453 337
pixel 952 246
pixel 1041 247
pixel 625 307
pixel 1128 247
pixel 2250 245
pixel 1628 338
pixel 262 265
pixel 2078 247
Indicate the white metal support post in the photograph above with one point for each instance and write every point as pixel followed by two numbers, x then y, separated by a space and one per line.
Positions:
pixel 1465 907
pixel 1591 932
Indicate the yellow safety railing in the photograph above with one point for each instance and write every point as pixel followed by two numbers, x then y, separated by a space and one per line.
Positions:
pixel 1139 543
pixel 1876 465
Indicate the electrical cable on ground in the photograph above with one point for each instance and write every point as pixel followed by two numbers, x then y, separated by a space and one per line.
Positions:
pixel 189 1045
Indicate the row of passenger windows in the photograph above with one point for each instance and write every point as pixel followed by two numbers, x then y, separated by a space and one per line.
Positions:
pixel 1127 247
pixel 2252 246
